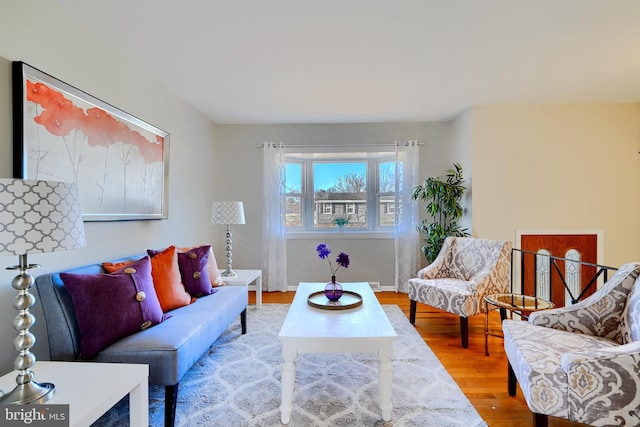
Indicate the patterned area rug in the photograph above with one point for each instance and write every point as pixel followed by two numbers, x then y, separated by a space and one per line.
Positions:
pixel 237 384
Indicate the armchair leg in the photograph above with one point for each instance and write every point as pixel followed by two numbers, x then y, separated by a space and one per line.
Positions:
pixel 412 312
pixel 511 380
pixel 464 331
pixel 540 420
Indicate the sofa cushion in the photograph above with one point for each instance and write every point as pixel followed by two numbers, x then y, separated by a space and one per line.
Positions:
pixel 173 346
pixel 110 307
pixel 212 266
pixel 167 279
pixel 194 272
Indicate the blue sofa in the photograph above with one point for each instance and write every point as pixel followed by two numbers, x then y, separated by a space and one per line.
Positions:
pixel 169 348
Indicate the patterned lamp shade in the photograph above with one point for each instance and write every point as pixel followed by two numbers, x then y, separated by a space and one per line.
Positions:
pixel 39 216
pixel 225 213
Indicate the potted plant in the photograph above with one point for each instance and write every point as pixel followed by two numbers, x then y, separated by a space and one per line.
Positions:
pixel 340 222
pixel 442 196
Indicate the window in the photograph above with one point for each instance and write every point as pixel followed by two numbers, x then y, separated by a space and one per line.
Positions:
pixel 321 187
pixel 350 208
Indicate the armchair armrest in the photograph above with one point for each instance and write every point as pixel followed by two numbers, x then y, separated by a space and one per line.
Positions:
pixel 435 269
pixel 603 382
pixel 597 316
pixel 432 271
pixel 494 279
pixel 616 354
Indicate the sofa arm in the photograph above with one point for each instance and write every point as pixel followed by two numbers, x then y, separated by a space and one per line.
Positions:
pixel 603 384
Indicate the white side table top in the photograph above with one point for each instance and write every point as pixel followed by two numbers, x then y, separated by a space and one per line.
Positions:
pixel 245 278
pixel 91 389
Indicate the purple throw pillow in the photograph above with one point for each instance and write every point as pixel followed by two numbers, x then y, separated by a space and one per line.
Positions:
pixel 112 306
pixel 194 271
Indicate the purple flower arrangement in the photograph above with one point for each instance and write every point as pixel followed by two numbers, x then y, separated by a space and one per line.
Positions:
pixel 342 259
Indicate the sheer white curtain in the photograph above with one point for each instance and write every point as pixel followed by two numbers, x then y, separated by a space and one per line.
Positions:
pixel 406 211
pixel 273 224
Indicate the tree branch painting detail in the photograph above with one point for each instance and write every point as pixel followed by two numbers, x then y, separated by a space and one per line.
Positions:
pixel 119 162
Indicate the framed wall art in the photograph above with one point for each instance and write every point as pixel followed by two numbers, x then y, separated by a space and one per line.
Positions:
pixel 119 162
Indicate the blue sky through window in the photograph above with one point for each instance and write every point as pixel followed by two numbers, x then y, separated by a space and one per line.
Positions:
pixel 326 174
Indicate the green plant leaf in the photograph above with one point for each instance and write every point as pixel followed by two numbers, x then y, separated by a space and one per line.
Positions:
pixel 442 196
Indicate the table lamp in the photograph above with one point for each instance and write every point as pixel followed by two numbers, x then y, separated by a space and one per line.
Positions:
pixel 227 213
pixel 35 217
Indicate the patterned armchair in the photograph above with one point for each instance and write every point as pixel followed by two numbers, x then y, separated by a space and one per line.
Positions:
pixel 582 362
pixel 465 270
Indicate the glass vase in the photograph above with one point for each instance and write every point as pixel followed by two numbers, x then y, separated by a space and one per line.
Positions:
pixel 333 290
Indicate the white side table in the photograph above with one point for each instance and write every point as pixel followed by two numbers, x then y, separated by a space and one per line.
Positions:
pixel 91 389
pixel 245 278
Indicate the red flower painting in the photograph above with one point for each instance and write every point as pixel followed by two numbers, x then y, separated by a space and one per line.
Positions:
pixel 117 164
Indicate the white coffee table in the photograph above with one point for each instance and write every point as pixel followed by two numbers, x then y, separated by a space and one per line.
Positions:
pixel 363 329
pixel 91 389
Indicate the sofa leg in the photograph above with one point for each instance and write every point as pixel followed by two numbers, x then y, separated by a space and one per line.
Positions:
pixel 511 380
pixel 412 312
pixel 243 321
pixel 170 401
pixel 540 420
pixel 464 331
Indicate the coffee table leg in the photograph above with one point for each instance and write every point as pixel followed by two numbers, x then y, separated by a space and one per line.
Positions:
pixel 384 381
pixel 288 381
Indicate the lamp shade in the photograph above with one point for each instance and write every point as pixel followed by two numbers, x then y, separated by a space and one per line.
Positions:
pixel 225 213
pixel 39 216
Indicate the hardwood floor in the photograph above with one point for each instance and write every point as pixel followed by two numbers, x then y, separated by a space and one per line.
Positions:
pixel 483 379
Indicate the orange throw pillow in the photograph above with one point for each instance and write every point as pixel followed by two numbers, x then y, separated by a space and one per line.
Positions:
pixel 112 267
pixel 167 280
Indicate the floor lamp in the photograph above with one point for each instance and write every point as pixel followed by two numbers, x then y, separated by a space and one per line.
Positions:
pixel 227 213
pixel 35 217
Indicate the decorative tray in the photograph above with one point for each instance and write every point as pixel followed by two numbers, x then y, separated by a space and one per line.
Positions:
pixel 348 300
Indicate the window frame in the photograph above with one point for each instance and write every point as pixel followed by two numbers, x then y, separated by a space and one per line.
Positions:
pixel 373 194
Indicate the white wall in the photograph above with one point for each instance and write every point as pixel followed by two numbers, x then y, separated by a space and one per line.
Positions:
pixel 372 259
pixel 571 167
pixel 42 35
pixel 462 152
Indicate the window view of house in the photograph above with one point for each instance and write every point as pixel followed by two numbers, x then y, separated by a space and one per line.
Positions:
pixel 323 191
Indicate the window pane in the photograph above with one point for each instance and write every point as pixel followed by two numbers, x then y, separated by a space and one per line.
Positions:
pixel 294 178
pixel 293 195
pixel 340 188
pixel 293 215
pixel 386 209
pixel 386 177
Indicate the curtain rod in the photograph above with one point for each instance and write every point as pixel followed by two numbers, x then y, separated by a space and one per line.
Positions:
pixel 389 144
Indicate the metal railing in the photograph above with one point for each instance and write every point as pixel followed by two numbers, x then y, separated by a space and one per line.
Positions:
pixel 527 270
